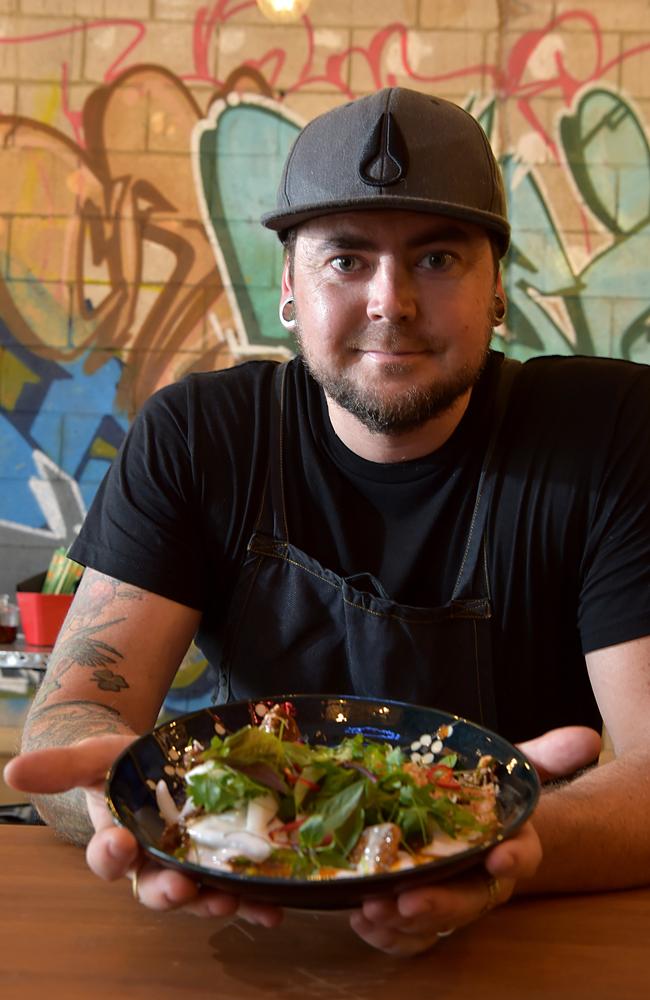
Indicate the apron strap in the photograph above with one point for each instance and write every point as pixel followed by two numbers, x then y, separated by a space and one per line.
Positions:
pixel 272 515
pixel 475 547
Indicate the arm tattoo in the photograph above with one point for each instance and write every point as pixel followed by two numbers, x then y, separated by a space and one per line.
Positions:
pixel 80 645
pixel 97 592
pixel 106 680
pixel 62 722
pixel 67 814
pixel 60 725
pixel 82 649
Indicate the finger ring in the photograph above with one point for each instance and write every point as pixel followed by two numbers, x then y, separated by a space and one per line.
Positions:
pixel 447 931
pixel 493 887
pixel 134 885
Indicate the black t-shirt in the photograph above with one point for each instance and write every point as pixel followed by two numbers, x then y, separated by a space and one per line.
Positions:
pixel 568 535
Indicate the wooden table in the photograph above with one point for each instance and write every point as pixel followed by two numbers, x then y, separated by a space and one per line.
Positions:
pixel 64 934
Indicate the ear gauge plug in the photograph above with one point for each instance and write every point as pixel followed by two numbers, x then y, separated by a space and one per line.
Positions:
pixel 287 313
pixel 499 311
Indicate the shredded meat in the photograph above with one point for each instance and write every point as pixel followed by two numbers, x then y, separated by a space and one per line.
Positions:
pixel 280 722
pixel 376 849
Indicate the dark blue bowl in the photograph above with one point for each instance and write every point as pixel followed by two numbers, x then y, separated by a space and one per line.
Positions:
pixel 324 719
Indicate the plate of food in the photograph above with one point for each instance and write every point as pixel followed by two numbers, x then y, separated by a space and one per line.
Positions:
pixel 319 801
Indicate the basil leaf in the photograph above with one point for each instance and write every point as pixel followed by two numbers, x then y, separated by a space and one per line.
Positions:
pixel 332 813
pixel 414 823
pixel 312 832
pixel 337 809
pixel 349 832
pixel 331 857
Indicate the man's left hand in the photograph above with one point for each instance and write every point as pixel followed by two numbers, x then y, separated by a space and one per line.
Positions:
pixel 417 920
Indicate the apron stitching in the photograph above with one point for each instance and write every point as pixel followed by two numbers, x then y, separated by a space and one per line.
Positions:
pixel 471 531
pixel 478 675
pixel 387 614
pixel 486 575
pixel 277 555
pixel 407 621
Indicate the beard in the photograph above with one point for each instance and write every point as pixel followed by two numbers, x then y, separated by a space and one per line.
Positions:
pixel 409 409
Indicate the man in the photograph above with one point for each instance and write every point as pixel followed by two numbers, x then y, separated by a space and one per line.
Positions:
pixel 402 514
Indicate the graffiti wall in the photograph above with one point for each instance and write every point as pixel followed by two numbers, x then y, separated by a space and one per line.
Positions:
pixel 138 150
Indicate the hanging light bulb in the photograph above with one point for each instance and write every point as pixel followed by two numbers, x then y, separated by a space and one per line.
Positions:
pixel 283 10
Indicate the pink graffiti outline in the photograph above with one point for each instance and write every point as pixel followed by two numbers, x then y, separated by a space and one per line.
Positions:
pixel 508 82
pixel 208 19
pixel 204 25
pixel 74 117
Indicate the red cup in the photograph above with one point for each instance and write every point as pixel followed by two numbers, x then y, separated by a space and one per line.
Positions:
pixel 42 616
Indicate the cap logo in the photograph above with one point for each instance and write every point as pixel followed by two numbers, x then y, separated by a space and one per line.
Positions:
pixel 384 159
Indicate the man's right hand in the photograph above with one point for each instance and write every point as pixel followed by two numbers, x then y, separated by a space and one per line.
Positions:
pixel 113 851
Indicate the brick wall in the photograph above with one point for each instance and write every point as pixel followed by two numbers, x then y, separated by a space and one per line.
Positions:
pixel 132 180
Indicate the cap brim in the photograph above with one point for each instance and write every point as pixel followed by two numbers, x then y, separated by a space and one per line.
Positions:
pixel 279 221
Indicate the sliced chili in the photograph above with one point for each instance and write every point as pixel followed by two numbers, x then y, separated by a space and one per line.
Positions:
pixel 310 784
pixel 287 828
pixel 443 776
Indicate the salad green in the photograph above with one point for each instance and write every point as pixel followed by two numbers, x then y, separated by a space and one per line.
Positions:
pixel 262 804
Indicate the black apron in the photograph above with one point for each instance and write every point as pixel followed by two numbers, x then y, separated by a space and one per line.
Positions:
pixel 295 626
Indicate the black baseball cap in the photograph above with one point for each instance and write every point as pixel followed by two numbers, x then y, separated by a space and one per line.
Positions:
pixel 395 149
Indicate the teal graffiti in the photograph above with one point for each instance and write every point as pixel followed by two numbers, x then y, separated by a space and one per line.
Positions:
pixel 240 150
pixel 604 306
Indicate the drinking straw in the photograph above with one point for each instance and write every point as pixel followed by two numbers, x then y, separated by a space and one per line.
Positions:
pixel 62 574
